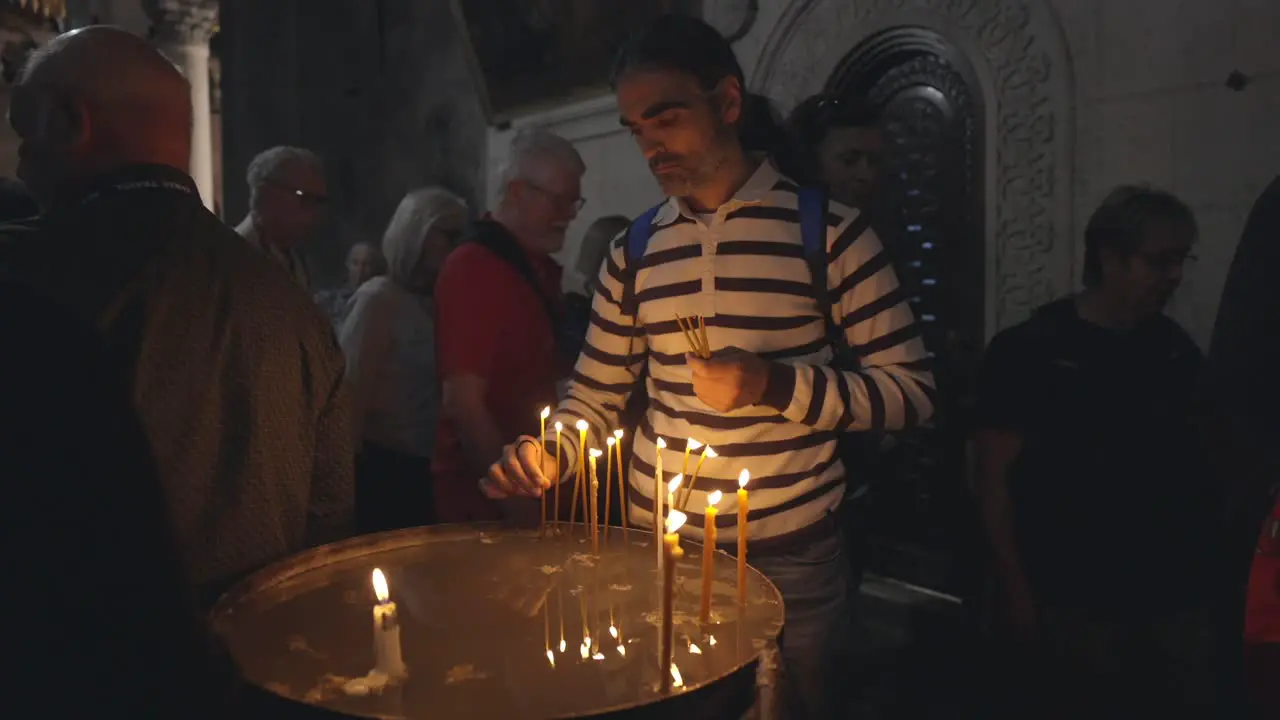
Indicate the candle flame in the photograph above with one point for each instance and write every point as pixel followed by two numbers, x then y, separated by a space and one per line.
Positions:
pixel 694 444
pixel 675 520
pixel 546 412
pixel 675 483
pixel 662 444
pixel 622 651
pixel 595 453
pixel 676 680
pixel 714 498
pixel 711 640
pixel 744 477
pixel 584 651
pixel 581 425
pixel 613 631
pixel 694 649
pixel 610 440
pixel 618 433
pixel 562 645
pixel 710 452
pixel 598 656
pixel 380 589
pixel 551 658
pixel 559 426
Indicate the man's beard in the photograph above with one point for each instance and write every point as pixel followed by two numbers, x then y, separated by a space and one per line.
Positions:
pixel 692 173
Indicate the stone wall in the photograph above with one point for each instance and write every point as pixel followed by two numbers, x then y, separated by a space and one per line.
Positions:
pixel 1084 95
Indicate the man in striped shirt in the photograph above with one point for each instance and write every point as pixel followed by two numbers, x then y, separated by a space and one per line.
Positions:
pixel 727 245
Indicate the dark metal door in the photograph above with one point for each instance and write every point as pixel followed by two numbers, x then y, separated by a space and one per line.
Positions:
pixel 932 228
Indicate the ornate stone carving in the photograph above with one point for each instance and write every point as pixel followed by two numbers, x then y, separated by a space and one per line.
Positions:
pixel 1016 50
pixel 182 22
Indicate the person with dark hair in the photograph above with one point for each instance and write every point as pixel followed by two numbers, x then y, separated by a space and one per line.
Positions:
pixel 16 202
pixel 787 285
pixel 838 142
pixel 90 559
pixel 1094 493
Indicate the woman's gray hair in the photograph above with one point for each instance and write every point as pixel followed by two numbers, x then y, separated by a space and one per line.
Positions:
pixel 417 213
pixel 532 151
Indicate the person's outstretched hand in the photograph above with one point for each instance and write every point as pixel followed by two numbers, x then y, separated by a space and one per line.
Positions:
pixel 517 472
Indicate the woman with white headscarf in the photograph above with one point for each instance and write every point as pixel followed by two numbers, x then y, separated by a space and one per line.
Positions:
pixel 389 342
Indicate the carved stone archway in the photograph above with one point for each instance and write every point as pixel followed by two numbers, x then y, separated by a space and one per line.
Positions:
pixel 1018 54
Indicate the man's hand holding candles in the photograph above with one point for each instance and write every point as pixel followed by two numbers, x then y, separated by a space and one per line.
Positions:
pixel 732 379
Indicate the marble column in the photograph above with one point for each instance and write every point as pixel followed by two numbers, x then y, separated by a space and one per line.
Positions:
pixel 181 30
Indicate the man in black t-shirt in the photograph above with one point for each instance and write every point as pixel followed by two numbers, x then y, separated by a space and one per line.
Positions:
pixel 1094 494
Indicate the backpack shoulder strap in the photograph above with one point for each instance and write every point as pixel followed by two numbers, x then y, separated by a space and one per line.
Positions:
pixel 638 235
pixel 813 223
pixel 812 204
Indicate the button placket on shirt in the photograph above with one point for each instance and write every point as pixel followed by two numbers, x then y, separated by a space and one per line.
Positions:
pixel 710 240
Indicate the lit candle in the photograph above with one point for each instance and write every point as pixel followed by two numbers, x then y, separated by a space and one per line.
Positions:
pixel 657 499
pixel 555 512
pixel 689 447
pixel 672 553
pixel 743 478
pixel 386 632
pixel 608 483
pixel 582 467
pixel 707 452
pixel 672 487
pixel 595 505
pixel 622 483
pixel 542 452
pixel 708 556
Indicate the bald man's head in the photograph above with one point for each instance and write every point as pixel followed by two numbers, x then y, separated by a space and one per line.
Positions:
pixel 94 100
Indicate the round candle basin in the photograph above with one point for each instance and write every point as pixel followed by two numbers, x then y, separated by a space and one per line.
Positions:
pixel 497 623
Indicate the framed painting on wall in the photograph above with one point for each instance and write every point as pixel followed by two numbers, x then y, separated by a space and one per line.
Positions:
pixel 529 54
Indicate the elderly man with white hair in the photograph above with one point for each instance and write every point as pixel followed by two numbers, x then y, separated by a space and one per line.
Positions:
pixel 287 200
pixel 388 338
pixel 500 337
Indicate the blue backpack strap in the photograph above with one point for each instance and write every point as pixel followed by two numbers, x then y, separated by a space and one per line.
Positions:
pixel 638 234
pixel 813 223
pixel 812 204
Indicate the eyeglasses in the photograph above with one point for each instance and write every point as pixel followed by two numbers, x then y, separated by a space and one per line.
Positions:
pixel 564 201
pixel 307 197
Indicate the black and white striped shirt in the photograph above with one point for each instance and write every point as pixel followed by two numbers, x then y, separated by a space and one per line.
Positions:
pixel 743 269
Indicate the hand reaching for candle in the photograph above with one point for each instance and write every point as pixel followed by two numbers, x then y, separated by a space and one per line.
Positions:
pixel 732 379
pixel 517 473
